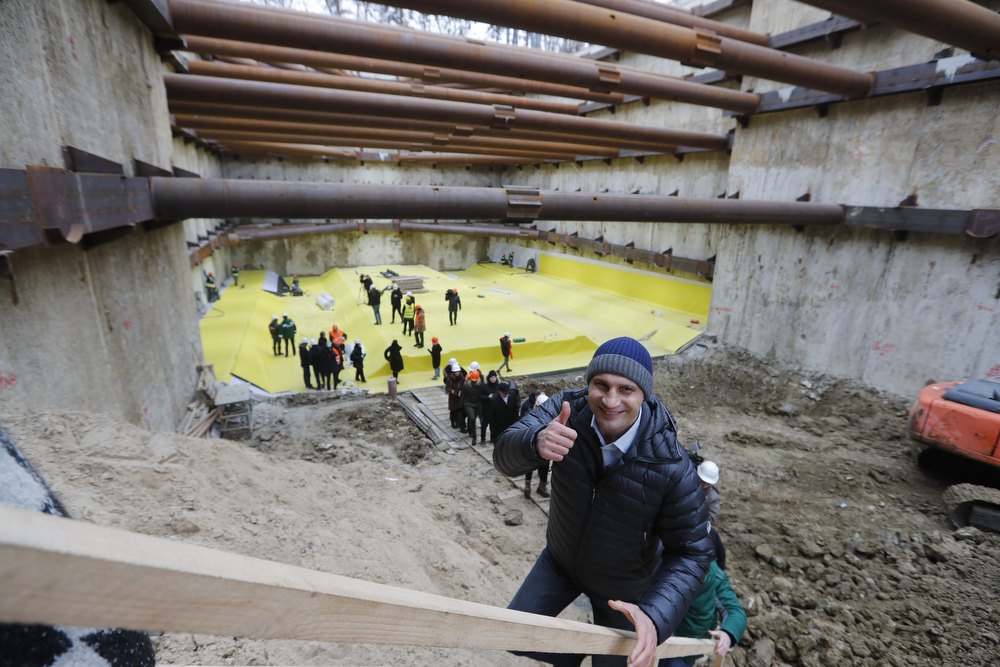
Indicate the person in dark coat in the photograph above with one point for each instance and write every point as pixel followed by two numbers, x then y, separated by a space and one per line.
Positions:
pixel 306 362
pixel 435 352
pixel 316 360
pixel 394 355
pixel 507 351
pixel 454 305
pixel 337 364
pixel 469 394
pixel 534 401
pixel 375 301
pixel 358 359
pixel 275 328
pixel 396 298
pixel 486 391
pixel 503 410
pixel 454 377
pixel 628 523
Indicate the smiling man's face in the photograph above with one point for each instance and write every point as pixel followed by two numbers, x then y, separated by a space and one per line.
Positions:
pixel 616 403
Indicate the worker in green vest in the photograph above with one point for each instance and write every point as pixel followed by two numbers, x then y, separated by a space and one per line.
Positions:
pixel 409 310
pixel 235 272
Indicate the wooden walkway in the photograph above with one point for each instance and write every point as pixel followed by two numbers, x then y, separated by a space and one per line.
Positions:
pixel 428 408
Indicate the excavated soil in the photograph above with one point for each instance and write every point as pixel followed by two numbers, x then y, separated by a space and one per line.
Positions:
pixel 837 543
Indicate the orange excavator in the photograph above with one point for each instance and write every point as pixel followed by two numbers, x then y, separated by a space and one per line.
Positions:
pixel 963 418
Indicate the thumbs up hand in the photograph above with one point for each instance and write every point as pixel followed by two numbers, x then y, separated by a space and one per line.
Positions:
pixel 556 439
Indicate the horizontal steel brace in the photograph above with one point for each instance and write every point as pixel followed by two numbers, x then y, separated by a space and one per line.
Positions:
pixel 44 205
pixel 977 223
pixel 943 73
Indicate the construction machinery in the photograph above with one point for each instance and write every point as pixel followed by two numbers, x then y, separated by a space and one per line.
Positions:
pixel 963 419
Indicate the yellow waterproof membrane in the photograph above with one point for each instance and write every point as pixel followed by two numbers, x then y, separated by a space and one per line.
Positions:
pixel 562 313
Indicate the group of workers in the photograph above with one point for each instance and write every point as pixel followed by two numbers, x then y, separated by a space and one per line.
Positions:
pixel 490 400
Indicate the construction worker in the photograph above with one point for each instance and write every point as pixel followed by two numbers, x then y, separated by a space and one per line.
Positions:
pixel 338 338
pixel 419 325
pixel 275 328
pixel 507 350
pixel 409 309
pixel 435 353
pixel 210 289
pixel 288 330
pixel 235 272
pixel 296 289
pixel 317 350
pixel 337 364
pixel 708 473
pixel 454 305
pixel 396 298
pixel 454 377
pixel 628 523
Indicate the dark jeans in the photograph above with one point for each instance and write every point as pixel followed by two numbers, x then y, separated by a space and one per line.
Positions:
pixel 452 317
pixel 306 376
pixel 483 423
pixel 547 590
pixel 470 420
pixel 378 315
pixel 418 338
pixel 276 344
pixel 396 309
pixel 359 373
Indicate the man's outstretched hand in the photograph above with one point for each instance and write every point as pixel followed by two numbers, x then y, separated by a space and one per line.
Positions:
pixel 555 440
pixel 644 653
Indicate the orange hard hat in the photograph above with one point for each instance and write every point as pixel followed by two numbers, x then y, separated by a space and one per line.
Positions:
pixel 474 376
pixel 417 307
pixel 434 340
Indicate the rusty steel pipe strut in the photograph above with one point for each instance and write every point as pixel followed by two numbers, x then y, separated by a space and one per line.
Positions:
pixel 434 75
pixel 258 73
pixel 587 23
pixel 347 131
pixel 282 150
pixel 224 136
pixel 955 22
pixel 427 141
pixel 195 115
pixel 681 17
pixel 257 93
pixel 293 29
pixel 176 198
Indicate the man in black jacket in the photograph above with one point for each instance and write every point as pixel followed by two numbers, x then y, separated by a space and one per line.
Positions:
pixel 628 524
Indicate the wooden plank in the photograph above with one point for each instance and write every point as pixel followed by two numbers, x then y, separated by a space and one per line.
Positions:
pixel 59 571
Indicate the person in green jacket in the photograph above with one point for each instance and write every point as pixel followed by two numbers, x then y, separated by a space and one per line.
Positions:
pixel 703 615
pixel 288 330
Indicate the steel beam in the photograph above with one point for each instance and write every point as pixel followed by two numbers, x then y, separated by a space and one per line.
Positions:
pixel 292 29
pixel 195 115
pixel 639 34
pixel 681 17
pixel 434 75
pixel 229 91
pixel 925 77
pixel 227 198
pixel 418 141
pixel 371 85
pixel 959 23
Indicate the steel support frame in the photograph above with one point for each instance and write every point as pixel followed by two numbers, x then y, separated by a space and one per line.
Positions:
pixel 42 206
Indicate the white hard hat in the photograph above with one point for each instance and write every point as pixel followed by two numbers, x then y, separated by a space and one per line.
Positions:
pixel 709 472
pixel 274 317
pixel 408 294
pixel 284 314
pixel 541 398
pixel 507 334
pixel 474 366
pixel 357 342
pixel 395 286
pixel 312 341
pixel 453 362
pixel 455 368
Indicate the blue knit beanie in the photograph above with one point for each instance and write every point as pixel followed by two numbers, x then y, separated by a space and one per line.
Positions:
pixel 626 357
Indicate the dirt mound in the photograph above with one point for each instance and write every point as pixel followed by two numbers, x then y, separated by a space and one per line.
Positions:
pixel 837 544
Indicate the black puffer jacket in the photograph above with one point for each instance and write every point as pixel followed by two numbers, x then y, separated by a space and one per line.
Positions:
pixel 637 533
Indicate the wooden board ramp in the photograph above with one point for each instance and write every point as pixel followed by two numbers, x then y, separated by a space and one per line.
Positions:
pixel 60 571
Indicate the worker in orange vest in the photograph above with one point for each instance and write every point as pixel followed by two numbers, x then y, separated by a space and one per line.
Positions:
pixel 419 325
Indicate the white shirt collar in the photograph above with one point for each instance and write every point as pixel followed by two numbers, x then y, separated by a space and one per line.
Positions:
pixel 623 443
